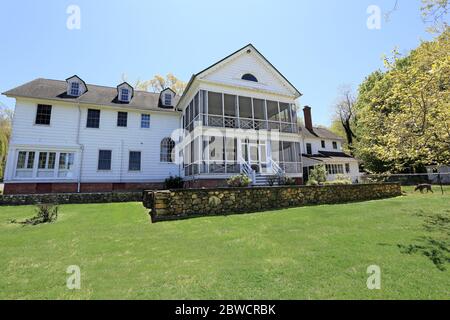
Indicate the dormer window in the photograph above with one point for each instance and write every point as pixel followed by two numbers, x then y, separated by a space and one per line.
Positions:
pixel 168 99
pixel 125 95
pixel 75 89
pixel 75 86
pixel 249 77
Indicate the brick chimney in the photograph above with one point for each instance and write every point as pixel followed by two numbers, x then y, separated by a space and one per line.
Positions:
pixel 307 118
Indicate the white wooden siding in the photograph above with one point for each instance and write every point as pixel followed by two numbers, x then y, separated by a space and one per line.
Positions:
pixel 316 145
pixel 231 72
pixel 62 134
pixel 121 140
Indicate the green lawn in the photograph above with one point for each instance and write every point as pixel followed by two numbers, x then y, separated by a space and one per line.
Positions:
pixel 319 252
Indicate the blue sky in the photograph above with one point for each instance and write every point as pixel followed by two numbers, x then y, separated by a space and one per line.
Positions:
pixel 317 45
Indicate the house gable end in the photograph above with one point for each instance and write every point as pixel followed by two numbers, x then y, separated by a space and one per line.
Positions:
pixel 249 68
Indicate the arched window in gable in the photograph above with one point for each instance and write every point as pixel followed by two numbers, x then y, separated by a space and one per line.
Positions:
pixel 249 77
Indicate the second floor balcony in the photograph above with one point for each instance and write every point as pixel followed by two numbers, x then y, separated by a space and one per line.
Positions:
pixel 212 109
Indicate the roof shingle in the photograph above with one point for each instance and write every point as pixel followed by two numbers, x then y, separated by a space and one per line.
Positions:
pixel 97 95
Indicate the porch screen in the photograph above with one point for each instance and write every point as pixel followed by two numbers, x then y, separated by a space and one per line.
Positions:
pixel 272 111
pixel 285 113
pixel 230 105
pixel 245 107
pixel 259 109
pixel 215 103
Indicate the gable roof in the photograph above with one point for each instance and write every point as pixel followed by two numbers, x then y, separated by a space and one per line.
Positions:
pixel 320 132
pixel 246 47
pixel 251 47
pixel 97 95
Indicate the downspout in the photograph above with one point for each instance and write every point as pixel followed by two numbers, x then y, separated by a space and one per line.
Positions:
pixel 81 148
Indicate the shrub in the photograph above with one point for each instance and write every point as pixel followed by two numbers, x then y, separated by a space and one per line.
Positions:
pixel 271 180
pixel 318 174
pixel 340 180
pixel 45 213
pixel 312 182
pixel 286 181
pixel 240 180
pixel 174 183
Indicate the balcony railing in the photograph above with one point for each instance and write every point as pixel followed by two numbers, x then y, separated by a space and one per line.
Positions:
pixel 216 167
pixel 244 123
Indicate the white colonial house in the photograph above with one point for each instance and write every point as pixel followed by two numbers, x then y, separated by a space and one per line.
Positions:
pixel 322 147
pixel 236 116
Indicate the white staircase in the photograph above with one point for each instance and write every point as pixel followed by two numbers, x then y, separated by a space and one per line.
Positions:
pixel 258 179
pixel 265 180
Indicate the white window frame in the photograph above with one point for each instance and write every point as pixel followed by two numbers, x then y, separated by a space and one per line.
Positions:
pixel 167 99
pixel 125 92
pixel 142 120
pixel 140 160
pixel 34 172
pixel 75 91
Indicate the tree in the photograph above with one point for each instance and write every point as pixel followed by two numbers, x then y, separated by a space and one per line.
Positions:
pixel 404 112
pixel 346 113
pixel 434 10
pixel 5 133
pixel 158 83
pixel 337 128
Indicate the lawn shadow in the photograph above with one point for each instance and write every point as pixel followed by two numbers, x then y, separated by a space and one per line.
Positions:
pixel 435 246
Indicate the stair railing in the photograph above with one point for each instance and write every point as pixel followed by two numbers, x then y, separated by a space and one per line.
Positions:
pixel 276 168
pixel 247 170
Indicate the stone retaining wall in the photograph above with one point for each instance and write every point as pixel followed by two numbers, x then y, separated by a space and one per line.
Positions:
pixel 176 204
pixel 67 198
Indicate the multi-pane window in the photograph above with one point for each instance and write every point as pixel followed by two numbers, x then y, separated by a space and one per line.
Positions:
pixel 167 146
pixel 75 89
pixel 125 94
pixel 335 168
pixel 104 159
pixel 134 163
pixel 21 158
pixel 308 148
pixel 25 160
pixel 145 121
pixel 323 144
pixel 122 118
pixel 30 161
pixel 335 145
pixel 167 99
pixel 93 118
pixel 43 114
pixel 66 161
pixel 46 160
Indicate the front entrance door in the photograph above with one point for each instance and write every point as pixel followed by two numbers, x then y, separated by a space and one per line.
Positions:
pixel 254 153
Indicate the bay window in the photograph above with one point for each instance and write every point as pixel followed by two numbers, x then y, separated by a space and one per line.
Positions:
pixel 45 164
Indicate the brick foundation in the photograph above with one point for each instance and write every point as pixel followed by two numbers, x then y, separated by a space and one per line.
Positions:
pixel 45 188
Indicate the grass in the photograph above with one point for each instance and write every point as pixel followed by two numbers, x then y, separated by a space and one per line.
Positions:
pixel 319 252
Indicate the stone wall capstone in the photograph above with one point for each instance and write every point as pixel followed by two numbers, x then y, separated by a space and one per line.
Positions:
pixel 70 198
pixel 183 203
